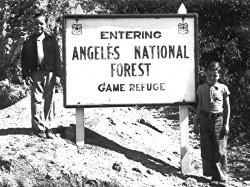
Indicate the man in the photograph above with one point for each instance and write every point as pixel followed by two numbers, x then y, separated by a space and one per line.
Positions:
pixel 41 69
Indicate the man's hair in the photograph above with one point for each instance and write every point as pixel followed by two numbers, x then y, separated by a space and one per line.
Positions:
pixel 41 14
pixel 214 66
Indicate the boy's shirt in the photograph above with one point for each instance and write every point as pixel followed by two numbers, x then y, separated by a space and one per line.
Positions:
pixel 212 97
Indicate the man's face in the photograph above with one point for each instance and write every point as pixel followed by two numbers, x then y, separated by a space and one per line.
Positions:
pixel 40 25
pixel 212 77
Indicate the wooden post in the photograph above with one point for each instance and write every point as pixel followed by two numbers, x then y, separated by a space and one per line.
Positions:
pixel 184 137
pixel 80 133
pixel 182 9
pixel 184 129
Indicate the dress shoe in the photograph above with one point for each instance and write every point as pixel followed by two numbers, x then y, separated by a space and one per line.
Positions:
pixel 222 183
pixel 41 134
pixel 214 181
pixel 49 134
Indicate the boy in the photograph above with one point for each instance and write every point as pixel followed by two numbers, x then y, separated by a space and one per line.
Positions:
pixel 41 69
pixel 213 113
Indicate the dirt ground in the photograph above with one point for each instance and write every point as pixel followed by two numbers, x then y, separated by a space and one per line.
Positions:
pixel 124 146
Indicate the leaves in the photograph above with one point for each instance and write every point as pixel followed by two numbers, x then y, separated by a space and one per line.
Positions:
pixel 223 35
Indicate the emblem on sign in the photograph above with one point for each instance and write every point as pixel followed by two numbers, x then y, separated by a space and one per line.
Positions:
pixel 76 29
pixel 183 28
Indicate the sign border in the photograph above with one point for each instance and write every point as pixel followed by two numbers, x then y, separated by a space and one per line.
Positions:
pixel 156 16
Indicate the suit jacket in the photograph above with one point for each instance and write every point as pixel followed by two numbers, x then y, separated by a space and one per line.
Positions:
pixel 51 60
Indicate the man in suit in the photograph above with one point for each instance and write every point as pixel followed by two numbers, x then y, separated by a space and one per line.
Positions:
pixel 41 69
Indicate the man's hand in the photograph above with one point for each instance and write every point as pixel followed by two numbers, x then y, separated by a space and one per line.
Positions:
pixel 28 81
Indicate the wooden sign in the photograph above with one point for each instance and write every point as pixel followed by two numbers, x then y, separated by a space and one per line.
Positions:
pixel 120 60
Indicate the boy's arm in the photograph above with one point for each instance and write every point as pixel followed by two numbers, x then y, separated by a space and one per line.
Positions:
pixel 197 119
pixel 24 61
pixel 227 111
pixel 25 70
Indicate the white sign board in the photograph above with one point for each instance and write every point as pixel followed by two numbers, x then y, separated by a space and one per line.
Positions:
pixel 129 60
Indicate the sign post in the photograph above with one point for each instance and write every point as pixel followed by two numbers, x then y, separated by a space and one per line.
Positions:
pixel 184 128
pixel 184 138
pixel 128 60
pixel 80 132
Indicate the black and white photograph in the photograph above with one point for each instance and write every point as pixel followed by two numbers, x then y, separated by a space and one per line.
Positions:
pixel 124 93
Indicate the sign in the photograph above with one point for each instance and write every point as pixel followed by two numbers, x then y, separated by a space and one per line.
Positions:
pixel 120 60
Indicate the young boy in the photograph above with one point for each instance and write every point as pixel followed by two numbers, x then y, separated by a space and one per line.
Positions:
pixel 41 69
pixel 213 113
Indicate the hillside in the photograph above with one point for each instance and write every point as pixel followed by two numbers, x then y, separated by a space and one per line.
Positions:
pixel 128 146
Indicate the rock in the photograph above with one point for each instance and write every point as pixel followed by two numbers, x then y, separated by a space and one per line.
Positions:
pixel 184 184
pixel 47 176
pixel 136 169
pixel 149 172
pixel 91 183
pixel 8 116
pixel 4 165
pixel 111 121
pixel 21 156
pixel 117 166
pixel 191 182
pixel 142 121
pixel 52 162
pixel 175 153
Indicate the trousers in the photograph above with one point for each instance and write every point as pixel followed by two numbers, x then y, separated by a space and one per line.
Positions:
pixel 42 92
pixel 213 146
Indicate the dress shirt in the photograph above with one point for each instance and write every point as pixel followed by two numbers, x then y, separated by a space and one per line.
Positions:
pixel 40 53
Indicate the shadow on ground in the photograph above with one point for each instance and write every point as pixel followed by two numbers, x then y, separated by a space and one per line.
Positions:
pixel 93 138
pixel 148 161
pixel 16 131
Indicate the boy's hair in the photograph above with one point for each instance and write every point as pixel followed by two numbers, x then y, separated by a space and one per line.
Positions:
pixel 41 14
pixel 214 66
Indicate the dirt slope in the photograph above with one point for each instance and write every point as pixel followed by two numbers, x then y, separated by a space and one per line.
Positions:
pixel 126 146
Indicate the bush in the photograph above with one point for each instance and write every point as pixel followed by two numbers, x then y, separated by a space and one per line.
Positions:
pixel 223 36
pixel 10 93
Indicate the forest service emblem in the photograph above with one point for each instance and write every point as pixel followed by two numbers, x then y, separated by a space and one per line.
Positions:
pixel 77 29
pixel 183 28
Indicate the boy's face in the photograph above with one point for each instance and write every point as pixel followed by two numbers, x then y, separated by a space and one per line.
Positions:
pixel 40 25
pixel 212 77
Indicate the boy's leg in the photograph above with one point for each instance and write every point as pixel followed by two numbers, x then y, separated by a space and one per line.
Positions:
pixel 49 91
pixel 207 146
pixel 220 141
pixel 37 102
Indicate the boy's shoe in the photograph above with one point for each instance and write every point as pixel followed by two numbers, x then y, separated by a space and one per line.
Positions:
pixel 222 183
pixel 49 134
pixel 41 134
pixel 214 181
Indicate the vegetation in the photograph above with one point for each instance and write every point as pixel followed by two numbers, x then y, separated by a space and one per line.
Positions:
pixel 224 36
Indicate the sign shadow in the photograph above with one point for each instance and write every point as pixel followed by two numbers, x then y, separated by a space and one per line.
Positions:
pixel 148 161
